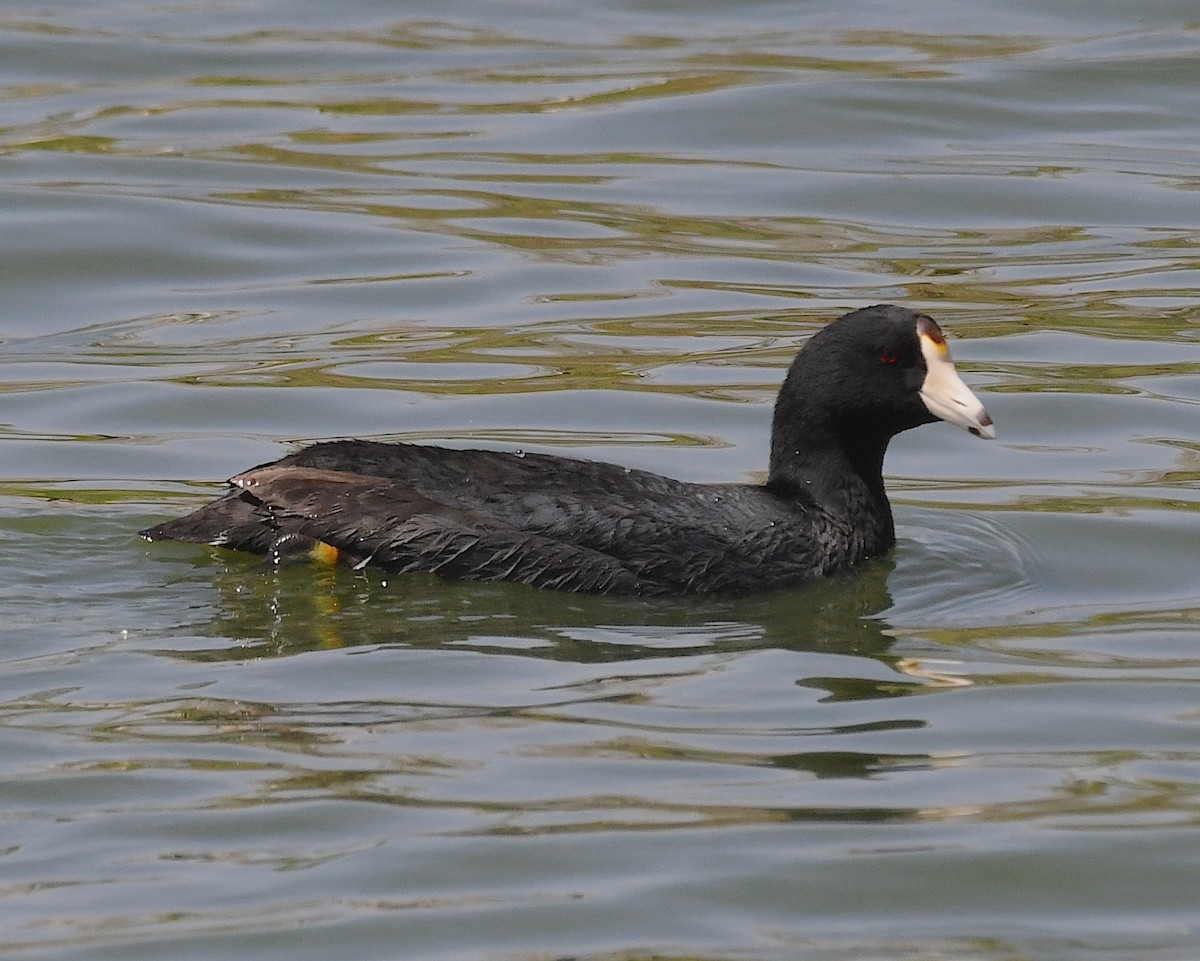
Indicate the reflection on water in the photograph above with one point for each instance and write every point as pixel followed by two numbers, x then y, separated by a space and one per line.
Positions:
pixel 285 612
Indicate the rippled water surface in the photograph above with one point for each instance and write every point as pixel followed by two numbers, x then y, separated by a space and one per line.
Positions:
pixel 603 230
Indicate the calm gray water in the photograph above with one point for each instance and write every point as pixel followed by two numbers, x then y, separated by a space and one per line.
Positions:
pixel 600 229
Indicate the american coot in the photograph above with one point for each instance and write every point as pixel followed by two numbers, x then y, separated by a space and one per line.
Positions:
pixel 579 525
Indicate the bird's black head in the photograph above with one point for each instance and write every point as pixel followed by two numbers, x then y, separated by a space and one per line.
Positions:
pixel 856 384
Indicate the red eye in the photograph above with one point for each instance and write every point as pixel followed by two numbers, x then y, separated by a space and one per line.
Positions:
pixel 889 358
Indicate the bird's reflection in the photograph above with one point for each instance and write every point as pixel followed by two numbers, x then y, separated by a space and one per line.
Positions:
pixel 286 613
pixel 304 608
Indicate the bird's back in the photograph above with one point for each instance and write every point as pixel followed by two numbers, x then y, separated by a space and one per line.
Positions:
pixel 534 518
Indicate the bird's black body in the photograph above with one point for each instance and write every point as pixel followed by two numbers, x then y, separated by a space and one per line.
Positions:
pixel 542 520
pixel 578 525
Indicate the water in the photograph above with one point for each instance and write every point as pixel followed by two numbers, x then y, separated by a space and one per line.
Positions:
pixel 601 230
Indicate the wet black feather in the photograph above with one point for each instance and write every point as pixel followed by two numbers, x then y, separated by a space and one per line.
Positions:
pixel 578 525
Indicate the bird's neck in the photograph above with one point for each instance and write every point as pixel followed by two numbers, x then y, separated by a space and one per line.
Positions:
pixel 808 460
